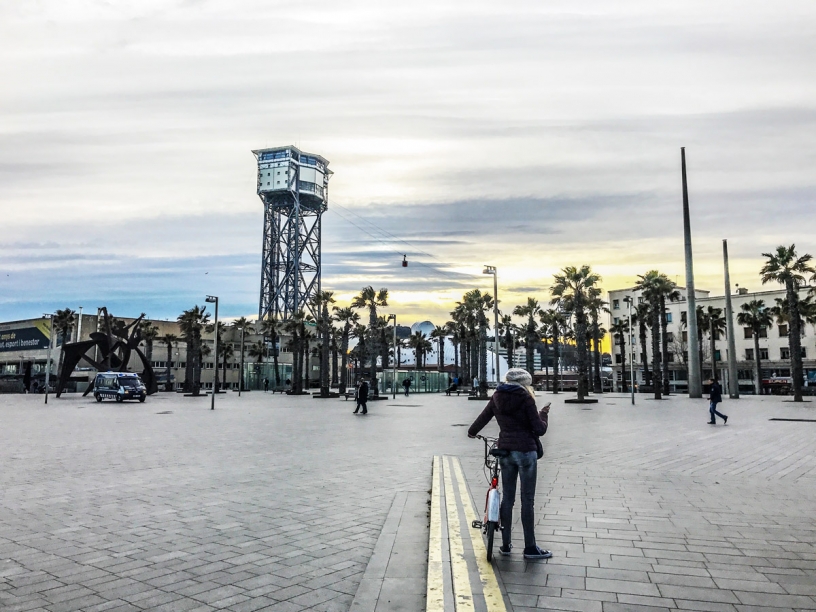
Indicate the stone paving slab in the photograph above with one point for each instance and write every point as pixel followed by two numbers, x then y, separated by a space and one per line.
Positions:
pixel 277 502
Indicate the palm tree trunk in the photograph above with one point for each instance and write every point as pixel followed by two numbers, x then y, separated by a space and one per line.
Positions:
pixel 758 365
pixel 456 358
pixel 596 341
pixel 440 358
pixel 334 372
pixel 224 372
pixel 795 340
pixel 556 357
pixel 529 354
pixel 580 345
pixel 189 375
pixel 483 362
pixel 168 386
pixel 275 352
pixel 324 357
pixel 623 361
pixel 713 333
pixel 344 357
pixel 664 340
pixel 647 378
pixel 657 372
pixel 546 363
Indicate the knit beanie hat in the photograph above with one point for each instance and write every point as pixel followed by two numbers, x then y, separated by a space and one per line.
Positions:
pixel 519 376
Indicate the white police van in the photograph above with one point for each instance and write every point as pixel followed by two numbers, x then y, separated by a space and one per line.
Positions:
pixel 119 386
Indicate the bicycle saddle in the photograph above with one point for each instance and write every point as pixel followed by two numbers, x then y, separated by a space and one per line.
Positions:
pixel 498 452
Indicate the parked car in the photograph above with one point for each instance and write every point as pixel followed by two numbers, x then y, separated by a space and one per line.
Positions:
pixel 119 386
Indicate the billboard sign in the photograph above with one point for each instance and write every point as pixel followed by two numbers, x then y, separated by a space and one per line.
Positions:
pixel 24 339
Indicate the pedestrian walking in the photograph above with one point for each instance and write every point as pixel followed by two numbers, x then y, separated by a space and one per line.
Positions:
pixel 714 398
pixel 475 382
pixel 521 425
pixel 406 384
pixel 362 397
pixel 266 385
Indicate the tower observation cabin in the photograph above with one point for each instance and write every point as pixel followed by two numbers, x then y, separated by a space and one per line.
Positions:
pixel 294 188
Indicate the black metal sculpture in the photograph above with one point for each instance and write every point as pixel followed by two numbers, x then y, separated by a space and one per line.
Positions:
pixel 114 349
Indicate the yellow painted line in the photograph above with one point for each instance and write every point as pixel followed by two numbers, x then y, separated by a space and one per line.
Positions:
pixel 435 600
pixel 490 585
pixel 462 594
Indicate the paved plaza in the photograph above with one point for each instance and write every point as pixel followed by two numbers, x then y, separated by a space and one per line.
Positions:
pixel 290 503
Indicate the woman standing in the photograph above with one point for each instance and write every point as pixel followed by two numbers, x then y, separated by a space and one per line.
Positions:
pixel 521 424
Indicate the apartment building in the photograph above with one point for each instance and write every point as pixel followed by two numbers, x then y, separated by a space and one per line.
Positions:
pixel 773 342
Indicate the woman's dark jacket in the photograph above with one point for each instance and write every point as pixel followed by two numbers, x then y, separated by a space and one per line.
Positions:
pixel 518 418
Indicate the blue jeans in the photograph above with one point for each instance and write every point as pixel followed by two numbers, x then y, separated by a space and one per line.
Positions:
pixel 519 465
pixel 712 408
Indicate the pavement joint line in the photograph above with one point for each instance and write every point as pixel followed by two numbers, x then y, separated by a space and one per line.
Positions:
pixel 494 600
pixel 435 585
pixel 368 592
pixel 462 592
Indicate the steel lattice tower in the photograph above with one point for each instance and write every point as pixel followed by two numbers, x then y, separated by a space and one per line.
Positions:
pixel 294 188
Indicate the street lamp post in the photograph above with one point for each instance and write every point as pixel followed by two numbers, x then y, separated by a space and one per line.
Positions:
pixel 629 300
pixel 79 326
pixel 393 317
pixel 213 299
pixel 492 270
pixel 48 359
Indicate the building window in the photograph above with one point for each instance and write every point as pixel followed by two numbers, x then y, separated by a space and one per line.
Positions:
pixel 804 353
pixel 617 358
pixel 717 356
pixel 763 332
pixel 783 331
pixel 685 336
pixel 749 354
pixel 616 304
pixel 763 354
pixel 668 317
pixel 784 353
pixel 640 300
pixel 749 333
pixel 669 337
pixel 616 320
pixel 670 357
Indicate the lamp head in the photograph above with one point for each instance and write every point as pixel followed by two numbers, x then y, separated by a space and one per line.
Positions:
pixel 211 299
pixel 489 270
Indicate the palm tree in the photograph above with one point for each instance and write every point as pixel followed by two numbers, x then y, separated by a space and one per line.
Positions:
pixel 453 330
pixel 554 321
pixel 529 310
pixel 787 268
pixel 506 326
pixel 227 351
pixel 63 322
pixel 650 285
pixel 242 324
pixel 596 306
pixel 642 316
pixel 269 329
pixel 619 330
pixel 756 316
pixel 572 288
pixel 191 323
pixel 360 333
pixel 335 336
pixel 371 299
pixel 349 319
pixel 439 334
pixel 149 333
pixel 716 325
pixel 322 301
pixel 417 341
pixel 257 351
pixel 668 292
pixel 169 340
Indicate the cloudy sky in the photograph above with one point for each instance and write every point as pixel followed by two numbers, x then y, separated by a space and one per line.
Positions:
pixel 528 135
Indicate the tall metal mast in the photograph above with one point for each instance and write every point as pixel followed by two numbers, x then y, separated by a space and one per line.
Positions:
pixel 695 383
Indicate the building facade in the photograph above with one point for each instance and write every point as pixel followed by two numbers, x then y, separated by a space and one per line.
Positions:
pixel 773 342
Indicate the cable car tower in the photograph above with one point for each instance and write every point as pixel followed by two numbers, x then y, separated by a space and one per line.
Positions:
pixel 294 188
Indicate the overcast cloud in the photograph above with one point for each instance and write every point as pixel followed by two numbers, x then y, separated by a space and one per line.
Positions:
pixel 529 135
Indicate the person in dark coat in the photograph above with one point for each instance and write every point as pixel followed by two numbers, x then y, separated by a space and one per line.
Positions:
pixel 406 384
pixel 362 397
pixel 714 398
pixel 520 424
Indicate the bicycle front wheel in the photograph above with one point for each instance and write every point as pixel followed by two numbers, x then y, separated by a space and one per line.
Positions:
pixel 491 531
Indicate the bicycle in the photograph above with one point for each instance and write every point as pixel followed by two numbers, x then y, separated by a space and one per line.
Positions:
pixel 492 516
